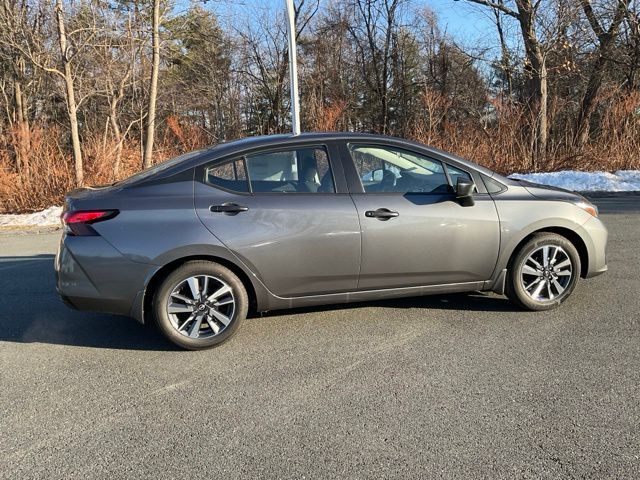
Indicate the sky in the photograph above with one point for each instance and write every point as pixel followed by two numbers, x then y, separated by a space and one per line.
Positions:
pixel 462 20
pixel 465 22
pixel 469 25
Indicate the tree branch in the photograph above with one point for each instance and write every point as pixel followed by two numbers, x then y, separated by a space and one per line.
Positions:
pixel 620 13
pixel 591 17
pixel 497 6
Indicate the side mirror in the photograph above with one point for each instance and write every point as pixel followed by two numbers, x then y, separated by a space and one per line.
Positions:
pixel 464 192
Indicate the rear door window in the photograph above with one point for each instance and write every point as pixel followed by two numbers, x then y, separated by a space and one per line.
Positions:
pixel 301 170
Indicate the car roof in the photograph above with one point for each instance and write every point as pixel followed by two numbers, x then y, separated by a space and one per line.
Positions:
pixel 230 148
pixel 287 139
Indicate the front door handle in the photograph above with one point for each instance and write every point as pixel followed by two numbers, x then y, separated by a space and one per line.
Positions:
pixel 381 214
pixel 228 208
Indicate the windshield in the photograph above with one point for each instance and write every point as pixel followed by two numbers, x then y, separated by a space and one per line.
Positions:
pixel 148 172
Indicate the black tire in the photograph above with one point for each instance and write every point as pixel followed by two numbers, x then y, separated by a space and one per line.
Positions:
pixel 515 289
pixel 180 275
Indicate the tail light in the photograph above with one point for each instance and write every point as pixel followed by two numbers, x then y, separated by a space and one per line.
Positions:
pixel 79 222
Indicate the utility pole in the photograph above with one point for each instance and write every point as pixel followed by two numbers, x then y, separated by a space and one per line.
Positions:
pixel 293 67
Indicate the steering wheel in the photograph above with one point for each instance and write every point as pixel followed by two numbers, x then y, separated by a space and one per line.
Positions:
pixel 388 180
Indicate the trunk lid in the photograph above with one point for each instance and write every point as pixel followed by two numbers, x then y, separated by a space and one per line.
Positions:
pixel 84 198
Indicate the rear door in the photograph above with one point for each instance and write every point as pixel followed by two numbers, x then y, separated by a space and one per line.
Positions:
pixel 414 232
pixel 286 213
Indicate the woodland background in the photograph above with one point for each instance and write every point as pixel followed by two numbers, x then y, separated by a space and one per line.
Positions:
pixel 93 90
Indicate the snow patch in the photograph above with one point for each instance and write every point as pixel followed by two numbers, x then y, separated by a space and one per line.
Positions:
pixel 620 181
pixel 45 218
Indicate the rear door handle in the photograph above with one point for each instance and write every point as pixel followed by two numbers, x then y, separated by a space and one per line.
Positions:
pixel 381 214
pixel 228 208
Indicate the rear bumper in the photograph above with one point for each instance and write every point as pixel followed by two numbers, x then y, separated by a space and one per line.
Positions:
pixel 66 300
pixel 92 275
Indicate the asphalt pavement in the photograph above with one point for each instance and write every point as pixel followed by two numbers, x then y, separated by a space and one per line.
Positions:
pixel 456 386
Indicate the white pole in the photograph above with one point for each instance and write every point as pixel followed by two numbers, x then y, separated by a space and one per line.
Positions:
pixel 293 67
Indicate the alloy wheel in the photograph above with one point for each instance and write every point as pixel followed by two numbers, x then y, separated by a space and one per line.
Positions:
pixel 546 273
pixel 201 306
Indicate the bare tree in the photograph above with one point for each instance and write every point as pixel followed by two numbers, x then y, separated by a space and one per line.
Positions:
pixel 505 56
pixel 21 110
pixel 34 49
pixel 526 13
pixel 606 38
pixel 265 65
pixel 117 53
pixel 327 73
pixel 372 31
pixel 153 86
pixel 633 46
pixel 14 22
pixel 66 56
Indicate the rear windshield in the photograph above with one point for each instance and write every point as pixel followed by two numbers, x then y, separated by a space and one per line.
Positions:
pixel 160 167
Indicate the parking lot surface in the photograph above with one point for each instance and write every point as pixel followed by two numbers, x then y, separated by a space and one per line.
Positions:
pixel 456 386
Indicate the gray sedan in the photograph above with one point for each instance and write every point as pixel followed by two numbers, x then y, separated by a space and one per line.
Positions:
pixel 267 223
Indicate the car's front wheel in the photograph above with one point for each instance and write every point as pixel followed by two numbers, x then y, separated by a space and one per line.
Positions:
pixel 200 305
pixel 543 273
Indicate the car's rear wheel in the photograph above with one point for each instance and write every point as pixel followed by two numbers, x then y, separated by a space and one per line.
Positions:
pixel 543 273
pixel 200 305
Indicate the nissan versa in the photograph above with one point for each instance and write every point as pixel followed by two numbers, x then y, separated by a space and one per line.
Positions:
pixel 284 221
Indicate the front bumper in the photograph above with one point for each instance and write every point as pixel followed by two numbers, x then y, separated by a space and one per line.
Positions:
pixel 595 236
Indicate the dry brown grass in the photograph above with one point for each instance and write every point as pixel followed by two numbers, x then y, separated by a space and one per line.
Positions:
pixel 45 176
pixel 47 171
pixel 499 142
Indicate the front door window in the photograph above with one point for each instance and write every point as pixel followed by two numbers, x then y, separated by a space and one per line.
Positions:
pixel 391 170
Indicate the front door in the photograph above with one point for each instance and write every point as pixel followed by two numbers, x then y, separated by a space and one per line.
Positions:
pixel 279 212
pixel 414 232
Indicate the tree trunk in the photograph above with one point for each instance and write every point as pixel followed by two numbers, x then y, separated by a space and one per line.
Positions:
pixel 70 96
pixel 505 61
pixel 117 133
pixel 606 40
pixel 538 89
pixel 589 102
pixel 22 117
pixel 543 115
pixel 388 47
pixel 22 149
pixel 153 89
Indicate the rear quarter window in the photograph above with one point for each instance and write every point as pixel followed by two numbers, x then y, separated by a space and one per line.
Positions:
pixel 229 176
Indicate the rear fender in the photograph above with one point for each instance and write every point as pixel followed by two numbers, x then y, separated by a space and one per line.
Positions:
pixel 168 261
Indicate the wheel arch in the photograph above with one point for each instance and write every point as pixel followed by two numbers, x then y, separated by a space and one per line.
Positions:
pixel 161 273
pixel 575 239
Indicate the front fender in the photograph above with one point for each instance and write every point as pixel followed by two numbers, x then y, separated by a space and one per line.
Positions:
pixel 520 219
